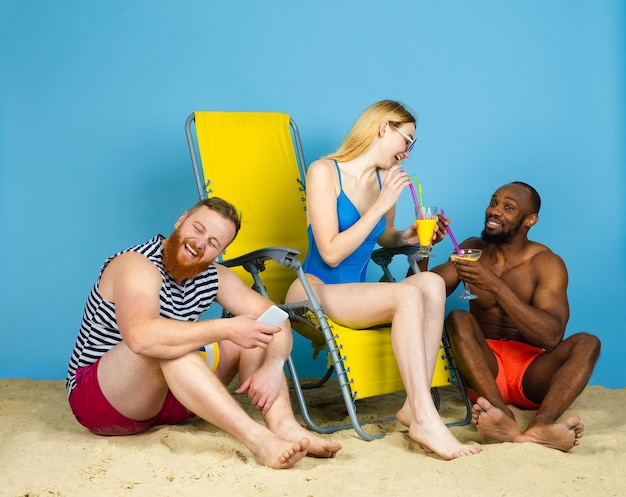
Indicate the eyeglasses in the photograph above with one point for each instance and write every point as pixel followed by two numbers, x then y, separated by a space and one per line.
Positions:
pixel 409 140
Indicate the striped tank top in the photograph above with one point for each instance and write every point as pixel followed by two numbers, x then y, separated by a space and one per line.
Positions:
pixel 99 331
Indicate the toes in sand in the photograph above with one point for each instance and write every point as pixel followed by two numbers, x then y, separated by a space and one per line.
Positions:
pixel 492 422
pixel 562 436
pixel 280 454
pixel 438 439
pixel 318 446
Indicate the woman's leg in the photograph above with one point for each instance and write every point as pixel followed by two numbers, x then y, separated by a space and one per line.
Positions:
pixel 431 291
pixel 415 308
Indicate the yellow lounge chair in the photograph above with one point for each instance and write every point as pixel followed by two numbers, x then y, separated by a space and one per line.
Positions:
pixel 255 161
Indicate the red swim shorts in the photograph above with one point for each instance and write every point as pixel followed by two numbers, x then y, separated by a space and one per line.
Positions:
pixel 513 360
pixel 93 410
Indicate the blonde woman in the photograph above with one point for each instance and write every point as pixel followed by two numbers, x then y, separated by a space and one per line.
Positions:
pixel 351 197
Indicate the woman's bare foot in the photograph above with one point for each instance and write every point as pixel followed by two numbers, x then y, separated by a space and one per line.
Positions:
pixel 319 447
pixel 562 436
pixel 404 414
pixel 435 437
pixel 279 454
pixel 492 422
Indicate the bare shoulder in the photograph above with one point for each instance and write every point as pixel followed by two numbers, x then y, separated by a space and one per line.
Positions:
pixel 130 261
pixel 129 269
pixel 320 175
pixel 321 167
pixel 322 163
pixel 548 267
pixel 541 255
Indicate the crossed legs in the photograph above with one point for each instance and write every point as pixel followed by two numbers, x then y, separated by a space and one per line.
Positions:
pixel 553 380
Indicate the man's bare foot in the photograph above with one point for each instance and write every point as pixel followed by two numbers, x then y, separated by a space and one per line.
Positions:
pixel 319 447
pixel 562 436
pixel 280 454
pixel 438 439
pixel 492 422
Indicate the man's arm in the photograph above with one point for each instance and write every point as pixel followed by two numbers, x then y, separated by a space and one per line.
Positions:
pixel 133 284
pixel 236 297
pixel 447 270
pixel 541 317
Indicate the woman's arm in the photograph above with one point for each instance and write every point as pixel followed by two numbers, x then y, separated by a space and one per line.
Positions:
pixel 322 193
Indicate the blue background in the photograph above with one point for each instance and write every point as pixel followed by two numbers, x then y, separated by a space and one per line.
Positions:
pixel 93 158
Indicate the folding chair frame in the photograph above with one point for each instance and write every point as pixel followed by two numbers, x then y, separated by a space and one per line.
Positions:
pixel 254 263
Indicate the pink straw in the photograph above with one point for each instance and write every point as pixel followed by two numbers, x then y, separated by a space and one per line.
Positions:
pixel 418 211
pixel 456 245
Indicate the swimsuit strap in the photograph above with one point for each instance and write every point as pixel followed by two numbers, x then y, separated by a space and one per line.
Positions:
pixel 380 184
pixel 338 175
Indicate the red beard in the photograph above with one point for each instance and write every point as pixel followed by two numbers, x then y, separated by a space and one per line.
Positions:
pixel 179 268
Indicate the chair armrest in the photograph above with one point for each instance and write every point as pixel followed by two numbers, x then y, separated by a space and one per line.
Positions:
pixel 254 262
pixel 384 256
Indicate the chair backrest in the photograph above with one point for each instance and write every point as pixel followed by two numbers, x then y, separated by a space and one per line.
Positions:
pixel 255 161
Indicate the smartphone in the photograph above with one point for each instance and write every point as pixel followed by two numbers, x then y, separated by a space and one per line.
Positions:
pixel 273 316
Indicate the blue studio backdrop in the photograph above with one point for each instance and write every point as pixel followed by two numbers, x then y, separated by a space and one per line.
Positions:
pixel 93 158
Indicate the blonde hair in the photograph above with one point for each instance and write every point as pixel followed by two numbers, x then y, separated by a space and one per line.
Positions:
pixel 364 131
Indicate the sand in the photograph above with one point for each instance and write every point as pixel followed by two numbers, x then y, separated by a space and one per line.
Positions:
pixel 45 452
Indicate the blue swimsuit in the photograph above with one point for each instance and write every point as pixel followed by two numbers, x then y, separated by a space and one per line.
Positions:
pixel 351 269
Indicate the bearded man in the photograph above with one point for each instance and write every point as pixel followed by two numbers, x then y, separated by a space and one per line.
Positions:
pixel 510 345
pixel 136 361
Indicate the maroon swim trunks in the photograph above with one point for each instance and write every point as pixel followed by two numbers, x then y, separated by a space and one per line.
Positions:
pixel 94 411
pixel 513 359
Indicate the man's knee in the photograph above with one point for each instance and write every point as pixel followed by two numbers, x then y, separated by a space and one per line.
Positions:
pixel 228 365
pixel 458 324
pixel 587 344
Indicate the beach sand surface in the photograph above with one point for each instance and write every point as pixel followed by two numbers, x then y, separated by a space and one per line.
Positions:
pixel 44 452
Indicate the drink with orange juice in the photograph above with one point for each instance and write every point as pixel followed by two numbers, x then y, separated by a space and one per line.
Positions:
pixel 425 224
pixel 472 255
pixel 426 230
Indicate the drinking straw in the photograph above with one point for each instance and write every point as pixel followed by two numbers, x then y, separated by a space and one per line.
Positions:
pixel 456 245
pixel 415 201
pixel 419 189
pixel 419 200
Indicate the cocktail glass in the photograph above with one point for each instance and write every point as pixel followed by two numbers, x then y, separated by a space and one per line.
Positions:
pixel 426 224
pixel 469 254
